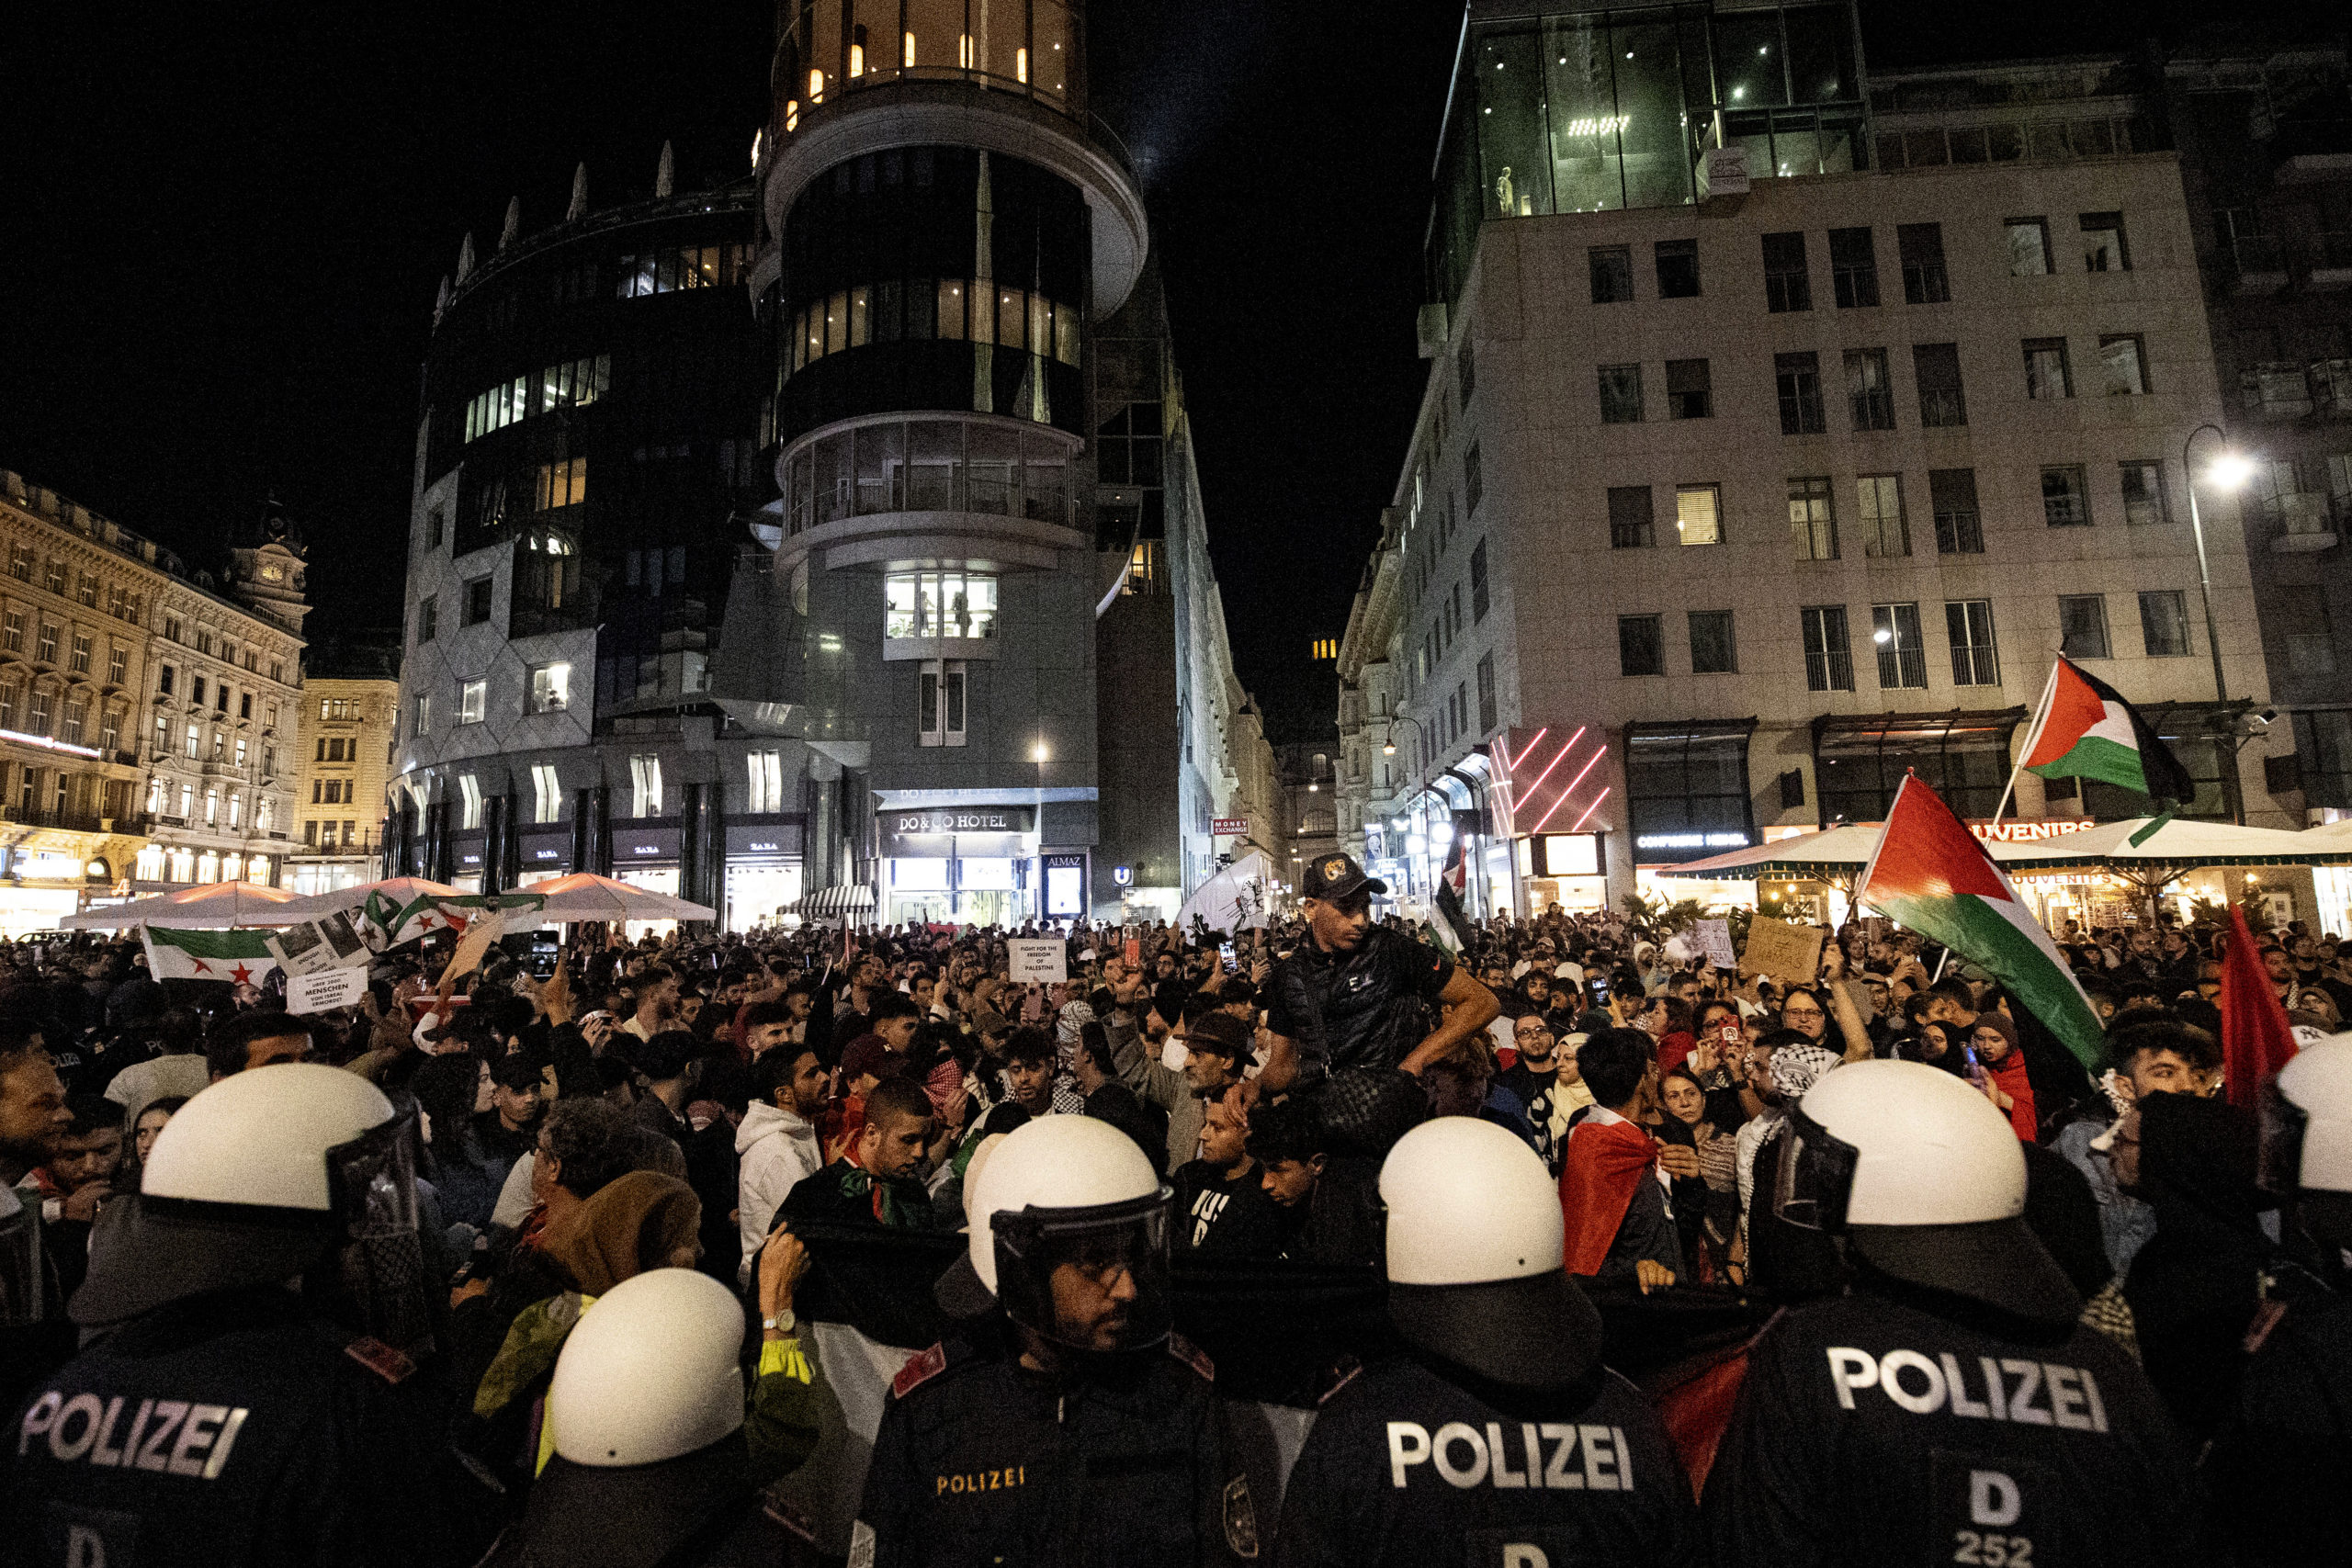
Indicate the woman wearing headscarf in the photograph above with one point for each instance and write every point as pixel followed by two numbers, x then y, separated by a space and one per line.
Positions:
pixel 1994 1038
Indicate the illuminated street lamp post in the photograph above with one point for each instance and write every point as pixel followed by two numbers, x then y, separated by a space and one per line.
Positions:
pixel 1388 748
pixel 2228 470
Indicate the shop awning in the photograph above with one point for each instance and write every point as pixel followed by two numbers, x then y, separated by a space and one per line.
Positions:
pixel 2179 845
pixel 1841 851
pixel 842 898
pixel 216 906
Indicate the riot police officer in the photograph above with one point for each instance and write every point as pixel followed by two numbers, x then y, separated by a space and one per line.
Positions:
pixel 2278 1465
pixel 650 1466
pixel 1062 1423
pixel 1950 1407
pixel 229 1415
pixel 1499 1440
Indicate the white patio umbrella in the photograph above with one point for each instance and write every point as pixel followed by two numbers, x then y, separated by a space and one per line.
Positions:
pixel 584 896
pixel 216 906
pixel 2180 845
pixel 1840 853
pixel 401 890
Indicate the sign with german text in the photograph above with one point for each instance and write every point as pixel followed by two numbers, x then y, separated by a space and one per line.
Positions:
pixel 324 989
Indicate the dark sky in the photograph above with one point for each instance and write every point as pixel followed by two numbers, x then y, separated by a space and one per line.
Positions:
pixel 228 222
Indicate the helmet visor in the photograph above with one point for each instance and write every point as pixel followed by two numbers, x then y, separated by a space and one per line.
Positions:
pixel 373 1180
pixel 2279 1154
pixel 1816 1174
pixel 1094 1278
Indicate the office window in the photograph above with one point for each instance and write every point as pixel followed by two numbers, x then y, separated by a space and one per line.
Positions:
pixel 2029 247
pixel 1885 531
pixel 196 689
pixel 53 576
pixel 428 617
pixel 2164 624
pixel 1478 582
pixel 1689 392
pixel 1474 480
pixel 21 562
pixel 1828 658
pixel 562 484
pixel 78 661
pixel 110 730
pixel 1952 496
pixel 2124 365
pixel 37 712
pixel 1853 268
pixel 1467 371
pixel 1936 367
pixel 477 594
pixel 2103 248
pixel 1678 269
pixel 86 589
pixel 1921 249
pixel 12 638
pixel 939 604
pixel 1813 521
pixel 940 702
pixel 433 525
pixel 550 688
pixel 1786 286
pixel 472 699
pixel 1641 645
pixel 1797 380
pixel 1968 624
pixel 1868 390
pixel 2047 377
pixel 2143 492
pixel 2065 498
pixel 546 793
pixel 1630 519
pixel 45 644
pixel 645 783
pixel 1487 700
pixel 1620 394
pixel 1698 518
pixel 765 772
pixel 70 730
pixel 1713 651
pixel 2298 624
pixel 2082 625
pixel 1901 653
pixel 1613 274
pixel 468 799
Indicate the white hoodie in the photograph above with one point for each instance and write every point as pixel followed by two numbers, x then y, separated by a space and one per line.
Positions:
pixel 777 1148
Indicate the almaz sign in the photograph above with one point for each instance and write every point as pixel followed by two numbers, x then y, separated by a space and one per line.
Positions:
pixel 974 819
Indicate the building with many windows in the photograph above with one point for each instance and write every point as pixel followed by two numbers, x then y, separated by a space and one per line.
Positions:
pixel 140 707
pixel 1750 476
pixel 343 747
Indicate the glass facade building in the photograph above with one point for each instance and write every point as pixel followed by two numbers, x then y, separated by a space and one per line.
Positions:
pixel 1590 107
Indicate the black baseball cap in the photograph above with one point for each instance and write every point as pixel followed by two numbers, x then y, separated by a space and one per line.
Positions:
pixel 1337 876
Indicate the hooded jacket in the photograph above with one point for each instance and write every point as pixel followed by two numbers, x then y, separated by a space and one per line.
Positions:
pixel 776 1148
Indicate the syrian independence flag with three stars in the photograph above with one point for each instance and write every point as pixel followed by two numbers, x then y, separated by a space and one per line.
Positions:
pixel 2086 730
pixel 1931 875
pixel 239 957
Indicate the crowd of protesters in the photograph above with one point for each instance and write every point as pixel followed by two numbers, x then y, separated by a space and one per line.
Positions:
pixel 686 1101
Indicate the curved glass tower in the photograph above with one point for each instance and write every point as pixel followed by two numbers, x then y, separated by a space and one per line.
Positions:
pixel 941 234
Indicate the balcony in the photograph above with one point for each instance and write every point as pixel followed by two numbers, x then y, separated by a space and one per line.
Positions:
pixel 2257 264
pixel 2275 390
pixel 2331 256
pixel 70 821
pixel 2301 522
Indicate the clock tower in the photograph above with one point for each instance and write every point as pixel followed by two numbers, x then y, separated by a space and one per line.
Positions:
pixel 266 569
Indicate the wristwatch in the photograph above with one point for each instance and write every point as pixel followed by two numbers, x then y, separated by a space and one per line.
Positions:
pixel 784 1322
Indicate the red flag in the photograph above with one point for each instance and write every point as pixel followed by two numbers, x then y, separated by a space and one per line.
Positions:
pixel 2256 1039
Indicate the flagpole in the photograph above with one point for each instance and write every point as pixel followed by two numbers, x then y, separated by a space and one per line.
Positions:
pixel 2041 718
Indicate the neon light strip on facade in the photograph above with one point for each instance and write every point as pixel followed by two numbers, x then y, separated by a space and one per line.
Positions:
pixel 1531 748
pixel 46 744
pixel 1571 788
pixel 1591 809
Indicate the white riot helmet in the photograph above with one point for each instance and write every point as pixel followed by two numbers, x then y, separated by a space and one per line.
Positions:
pixel 1926 1180
pixel 1475 1274
pixel 1067 1190
pixel 651 1371
pixel 250 1184
pixel 2307 1137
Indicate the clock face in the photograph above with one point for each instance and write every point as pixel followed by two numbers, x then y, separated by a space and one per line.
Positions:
pixel 273 574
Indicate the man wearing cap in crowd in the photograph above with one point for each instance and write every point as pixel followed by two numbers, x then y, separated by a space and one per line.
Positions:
pixel 1355 998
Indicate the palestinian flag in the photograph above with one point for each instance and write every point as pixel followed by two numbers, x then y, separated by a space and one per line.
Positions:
pixel 1931 875
pixel 239 957
pixel 2085 731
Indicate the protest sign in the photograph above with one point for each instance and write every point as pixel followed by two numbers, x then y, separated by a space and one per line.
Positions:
pixel 316 946
pixel 1783 952
pixel 1038 962
pixel 1714 940
pixel 325 989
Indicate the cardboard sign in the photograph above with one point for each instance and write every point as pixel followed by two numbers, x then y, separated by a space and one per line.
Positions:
pixel 1714 940
pixel 324 989
pixel 1790 953
pixel 1038 962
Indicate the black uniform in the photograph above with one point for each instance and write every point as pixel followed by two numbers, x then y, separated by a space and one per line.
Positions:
pixel 1404 1467
pixel 980 1460
pixel 2277 1471
pixel 225 1429
pixel 1364 1008
pixel 1871 1432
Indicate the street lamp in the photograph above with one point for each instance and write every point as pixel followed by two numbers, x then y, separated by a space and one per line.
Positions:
pixel 2228 470
pixel 1388 748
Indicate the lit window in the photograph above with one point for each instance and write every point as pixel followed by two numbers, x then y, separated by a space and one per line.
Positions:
pixel 473 697
pixel 546 793
pixel 1697 519
pixel 940 702
pixel 469 801
pixel 551 688
pixel 766 778
pixel 563 484
pixel 939 604
pixel 645 785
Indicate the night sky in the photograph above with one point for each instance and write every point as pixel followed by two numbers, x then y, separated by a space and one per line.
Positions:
pixel 230 224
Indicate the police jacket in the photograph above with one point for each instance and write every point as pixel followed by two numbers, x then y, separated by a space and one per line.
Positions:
pixel 1870 1431
pixel 982 1461
pixel 1405 1468
pixel 2276 1473
pixel 1364 1008
pixel 225 1429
